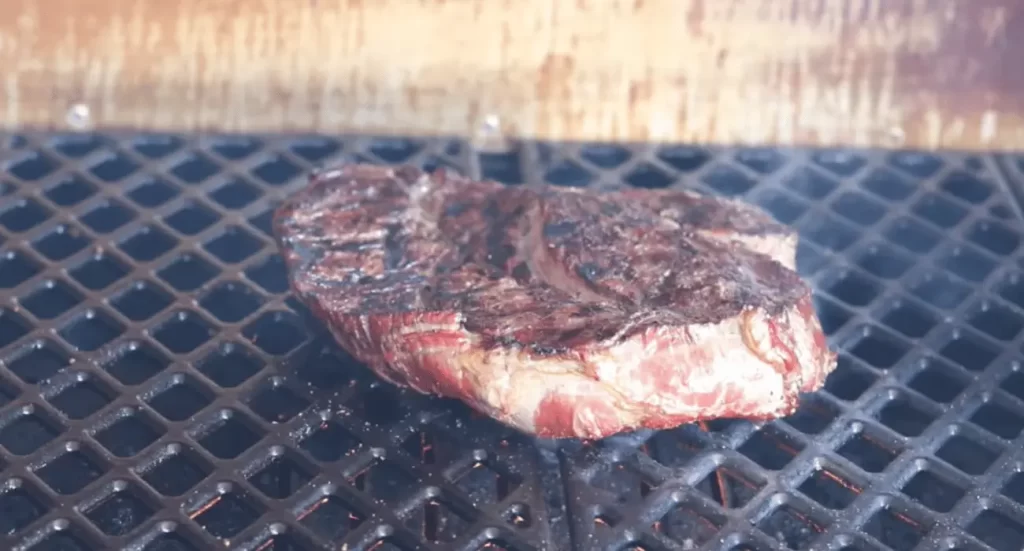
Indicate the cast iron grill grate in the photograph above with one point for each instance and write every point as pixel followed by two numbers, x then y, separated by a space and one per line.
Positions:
pixel 159 389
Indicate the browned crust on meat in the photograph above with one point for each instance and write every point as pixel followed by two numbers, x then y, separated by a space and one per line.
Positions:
pixel 420 275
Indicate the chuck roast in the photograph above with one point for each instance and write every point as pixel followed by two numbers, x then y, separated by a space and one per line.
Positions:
pixel 561 312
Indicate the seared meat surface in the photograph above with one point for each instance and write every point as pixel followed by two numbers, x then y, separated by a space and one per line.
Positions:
pixel 561 312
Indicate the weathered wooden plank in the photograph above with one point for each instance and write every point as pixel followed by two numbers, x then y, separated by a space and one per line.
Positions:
pixel 909 73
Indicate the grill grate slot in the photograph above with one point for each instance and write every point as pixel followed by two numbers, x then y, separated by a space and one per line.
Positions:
pixel 159 389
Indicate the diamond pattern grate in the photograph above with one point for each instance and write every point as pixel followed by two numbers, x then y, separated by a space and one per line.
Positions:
pixel 159 389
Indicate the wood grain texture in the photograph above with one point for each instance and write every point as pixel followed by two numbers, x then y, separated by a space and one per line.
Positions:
pixel 909 73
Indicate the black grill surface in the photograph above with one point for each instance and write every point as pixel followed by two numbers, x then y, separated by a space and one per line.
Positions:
pixel 160 390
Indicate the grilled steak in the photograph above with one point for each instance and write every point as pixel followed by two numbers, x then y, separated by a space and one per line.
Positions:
pixel 563 313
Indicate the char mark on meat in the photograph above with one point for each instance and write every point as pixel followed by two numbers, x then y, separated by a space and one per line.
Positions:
pixel 563 313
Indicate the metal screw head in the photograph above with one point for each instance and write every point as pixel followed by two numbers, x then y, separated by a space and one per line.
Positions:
pixel 79 117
